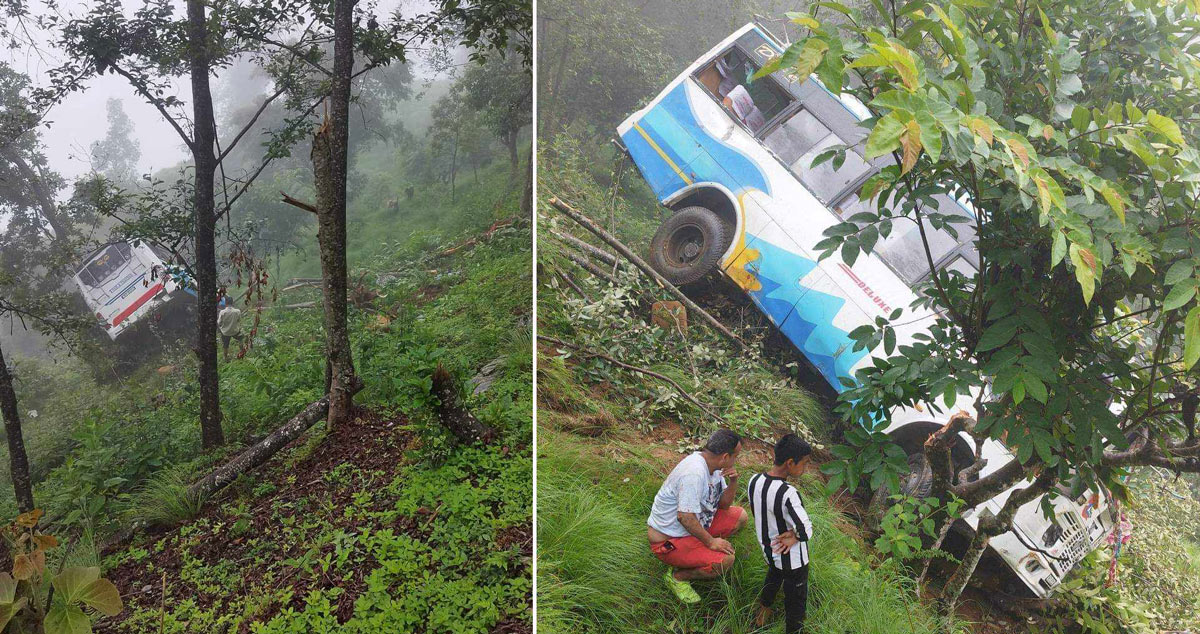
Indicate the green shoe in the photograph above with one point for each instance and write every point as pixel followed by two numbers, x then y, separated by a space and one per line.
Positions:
pixel 682 589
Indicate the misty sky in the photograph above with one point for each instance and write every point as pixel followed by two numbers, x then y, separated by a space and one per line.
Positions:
pixel 82 119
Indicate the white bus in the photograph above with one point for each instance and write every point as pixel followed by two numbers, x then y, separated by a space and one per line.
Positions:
pixel 732 157
pixel 123 282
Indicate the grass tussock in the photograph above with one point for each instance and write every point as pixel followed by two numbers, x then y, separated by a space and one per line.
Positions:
pixel 165 499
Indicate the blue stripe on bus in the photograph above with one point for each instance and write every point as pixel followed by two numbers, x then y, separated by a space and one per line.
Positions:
pixel 661 177
pixel 125 290
pixel 804 315
pixel 732 163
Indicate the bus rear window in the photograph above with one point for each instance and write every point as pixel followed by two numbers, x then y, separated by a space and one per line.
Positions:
pixel 104 265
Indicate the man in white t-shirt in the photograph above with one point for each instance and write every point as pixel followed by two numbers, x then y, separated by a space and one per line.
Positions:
pixel 229 322
pixel 693 514
pixel 738 99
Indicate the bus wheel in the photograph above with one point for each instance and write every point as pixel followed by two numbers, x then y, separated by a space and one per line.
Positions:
pixel 917 483
pixel 688 245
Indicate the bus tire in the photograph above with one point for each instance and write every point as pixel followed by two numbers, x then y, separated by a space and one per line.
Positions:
pixel 688 245
pixel 916 483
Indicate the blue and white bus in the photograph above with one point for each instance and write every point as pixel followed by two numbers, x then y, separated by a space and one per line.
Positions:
pixel 732 157
pixel 124 282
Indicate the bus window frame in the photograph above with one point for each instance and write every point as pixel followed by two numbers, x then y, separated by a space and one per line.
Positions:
pixel 797 103
pixel 769 123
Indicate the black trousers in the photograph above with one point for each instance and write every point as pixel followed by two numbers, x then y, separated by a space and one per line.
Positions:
pixel 795 595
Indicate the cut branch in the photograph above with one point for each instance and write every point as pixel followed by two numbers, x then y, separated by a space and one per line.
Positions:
pixel 590 249
pixel 678 388
pixel 590 225
pixel 298 203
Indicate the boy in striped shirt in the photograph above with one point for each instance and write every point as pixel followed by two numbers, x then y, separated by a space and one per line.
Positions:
pixel 783 529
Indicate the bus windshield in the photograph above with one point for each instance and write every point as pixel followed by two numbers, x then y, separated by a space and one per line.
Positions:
pixel 104 265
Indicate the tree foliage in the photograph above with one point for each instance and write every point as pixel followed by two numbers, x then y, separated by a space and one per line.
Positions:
pixel 1069 127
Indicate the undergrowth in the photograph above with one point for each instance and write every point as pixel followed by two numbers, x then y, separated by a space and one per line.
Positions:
pixel 596 573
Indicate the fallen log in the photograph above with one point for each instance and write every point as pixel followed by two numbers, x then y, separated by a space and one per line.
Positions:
pixel 453 414
pixel 261 451
pixel 628 254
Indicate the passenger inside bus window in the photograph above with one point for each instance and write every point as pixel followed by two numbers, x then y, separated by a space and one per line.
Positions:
pixel 753 102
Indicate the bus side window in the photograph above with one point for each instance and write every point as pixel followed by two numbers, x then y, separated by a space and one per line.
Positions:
pixel 799 139
pixel 753 101
pixel 904 252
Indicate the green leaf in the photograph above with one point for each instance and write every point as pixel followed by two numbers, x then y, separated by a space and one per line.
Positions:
pixel 71 582
pixel 1114 199
pixel 997 334
pixel 1166 127
pixel 1191 337
pixel 885 136
pixel 67 619
pixel 102 596
pixel 1180 294
pixel 1085 273
pixel 1059 250
pixel 8 589
pixel 1035 387
pixel 10 609
pixel 1018 392
pixel 1179 272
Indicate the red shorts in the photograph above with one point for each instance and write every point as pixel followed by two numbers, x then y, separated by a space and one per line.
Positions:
pixel 689 552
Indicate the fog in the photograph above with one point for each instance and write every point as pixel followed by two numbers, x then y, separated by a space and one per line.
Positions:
pixel 80 119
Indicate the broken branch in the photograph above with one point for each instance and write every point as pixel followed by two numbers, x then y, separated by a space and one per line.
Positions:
pixel 678 388
pixel 590 225
pixel 298 203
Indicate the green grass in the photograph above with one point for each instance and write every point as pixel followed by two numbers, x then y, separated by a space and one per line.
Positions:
pixel 596 573
pixel 165 499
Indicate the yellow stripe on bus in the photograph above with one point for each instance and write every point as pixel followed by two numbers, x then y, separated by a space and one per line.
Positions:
pixel 662 154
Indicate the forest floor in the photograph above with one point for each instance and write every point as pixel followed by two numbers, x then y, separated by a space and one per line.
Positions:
pixel 340 533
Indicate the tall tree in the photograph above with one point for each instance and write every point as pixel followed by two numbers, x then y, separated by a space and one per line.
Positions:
pixel 1083 322
pixel 150 51
pixel 116 155
pixel 330 151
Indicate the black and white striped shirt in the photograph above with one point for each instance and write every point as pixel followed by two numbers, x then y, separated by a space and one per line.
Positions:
pixel 777 508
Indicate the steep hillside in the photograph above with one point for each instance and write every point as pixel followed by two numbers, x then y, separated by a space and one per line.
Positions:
pixel 386 523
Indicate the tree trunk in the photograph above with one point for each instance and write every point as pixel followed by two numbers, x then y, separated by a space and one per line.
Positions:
pixel 514 158
pixel 454 165
pixel 329 156
pixel 453 415
pixel 211 434
pixel 18 462
pixel 557 104
pixel 527 197
pixel 958 581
